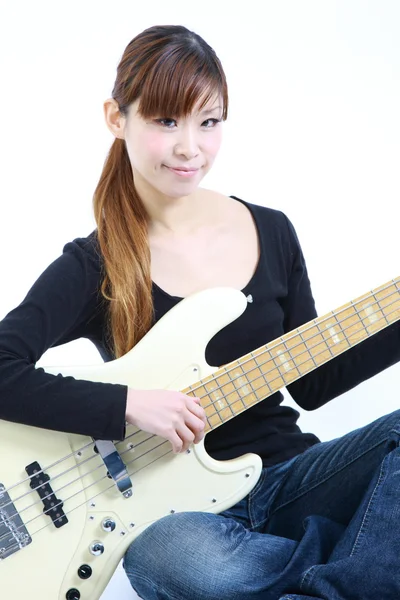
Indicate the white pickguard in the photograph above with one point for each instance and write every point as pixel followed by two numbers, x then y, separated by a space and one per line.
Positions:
pixel 170 356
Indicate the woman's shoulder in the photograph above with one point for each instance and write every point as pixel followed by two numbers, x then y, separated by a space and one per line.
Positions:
pixel 85 249
pixel 87 244
pixel 271 223
pixel 272 215
pixel 260 209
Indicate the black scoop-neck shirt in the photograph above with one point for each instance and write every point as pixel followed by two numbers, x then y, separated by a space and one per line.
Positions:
pixel 65 304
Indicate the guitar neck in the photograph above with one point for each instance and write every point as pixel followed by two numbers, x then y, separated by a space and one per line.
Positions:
pixel 237 386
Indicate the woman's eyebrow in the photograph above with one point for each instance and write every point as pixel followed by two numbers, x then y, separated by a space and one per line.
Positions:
pixel 207 112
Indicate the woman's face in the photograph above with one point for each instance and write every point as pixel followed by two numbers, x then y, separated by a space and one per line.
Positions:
pixel 155 145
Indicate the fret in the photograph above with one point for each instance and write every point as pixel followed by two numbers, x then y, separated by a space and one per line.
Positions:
pixel 207 405
pixel 370 313
pixel 333 335
pixel 225 396
pixel 190 391
pixel 271 372
pixel 218 409
pixel 243 386
pixel 258 381
pixel 259 384
pixel 219 388
pixel 257 352
pixel 228 387
pixel 282 369
pixel 350 323
pixel 389 301
pixel 302 357
pixel 214 420
pixel 288 364
pixel 316 343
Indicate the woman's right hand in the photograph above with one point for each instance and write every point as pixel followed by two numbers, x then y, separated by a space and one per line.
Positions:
pixel 169 414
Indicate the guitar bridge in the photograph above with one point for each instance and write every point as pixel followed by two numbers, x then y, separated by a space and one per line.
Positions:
pixel 13 534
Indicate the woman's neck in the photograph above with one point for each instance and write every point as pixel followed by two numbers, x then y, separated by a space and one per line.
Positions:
pixel 181 215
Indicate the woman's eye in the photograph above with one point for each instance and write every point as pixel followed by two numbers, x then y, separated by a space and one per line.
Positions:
pixel 215 121
pixel 161 121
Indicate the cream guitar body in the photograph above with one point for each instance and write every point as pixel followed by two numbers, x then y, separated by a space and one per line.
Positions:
pixel 76 560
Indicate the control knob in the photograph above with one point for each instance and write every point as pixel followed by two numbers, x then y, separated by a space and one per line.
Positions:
pixel 108 525
pixel 96 548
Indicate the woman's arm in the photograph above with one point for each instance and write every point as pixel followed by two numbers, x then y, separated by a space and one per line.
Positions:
pixel 346 370
pixel 56 308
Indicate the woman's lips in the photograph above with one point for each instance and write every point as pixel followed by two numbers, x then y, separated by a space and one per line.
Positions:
pixel 182 173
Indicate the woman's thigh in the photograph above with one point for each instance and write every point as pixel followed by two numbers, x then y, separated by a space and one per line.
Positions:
pixel 329 479
pixel 202 556
pixel 291 521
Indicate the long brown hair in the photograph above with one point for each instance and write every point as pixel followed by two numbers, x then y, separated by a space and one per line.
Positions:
pixel 169 68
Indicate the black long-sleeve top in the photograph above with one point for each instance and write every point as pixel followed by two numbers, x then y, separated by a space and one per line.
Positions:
pixel 65 304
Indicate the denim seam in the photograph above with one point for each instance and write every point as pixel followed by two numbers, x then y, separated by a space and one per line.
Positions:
pixel 367 512
pixel 307 577
pixel 251 499
pixel 259 483
pixel 307 488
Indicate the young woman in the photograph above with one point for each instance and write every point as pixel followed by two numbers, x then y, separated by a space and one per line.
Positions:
pixel 322 521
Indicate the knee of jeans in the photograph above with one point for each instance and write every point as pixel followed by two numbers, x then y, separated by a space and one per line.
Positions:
pixel 178 556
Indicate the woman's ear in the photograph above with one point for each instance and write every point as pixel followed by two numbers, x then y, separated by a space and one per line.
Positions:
pixel 114 119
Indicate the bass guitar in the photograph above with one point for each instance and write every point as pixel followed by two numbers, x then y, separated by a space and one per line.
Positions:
pixel 70 506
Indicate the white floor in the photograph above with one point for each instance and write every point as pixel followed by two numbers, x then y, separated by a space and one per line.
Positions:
pixel 119 587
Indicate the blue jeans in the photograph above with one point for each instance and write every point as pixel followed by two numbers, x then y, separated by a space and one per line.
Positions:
pixel 324 525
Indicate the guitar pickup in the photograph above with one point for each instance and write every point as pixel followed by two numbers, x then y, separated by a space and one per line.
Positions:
pixel 52 506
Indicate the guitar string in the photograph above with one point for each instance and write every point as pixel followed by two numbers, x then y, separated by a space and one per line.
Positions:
pixel 85 501
pixel 313 324
pixel 27 478
pixel 77 452
pixel 272 347
pixel 296 366
pixel 217 412
pixel 292 348
pixel 219 387
pixel 147 439
pixel 71 482
pixel 75 466
pixel 103 477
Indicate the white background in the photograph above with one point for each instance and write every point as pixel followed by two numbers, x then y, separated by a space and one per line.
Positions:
pixel 313 130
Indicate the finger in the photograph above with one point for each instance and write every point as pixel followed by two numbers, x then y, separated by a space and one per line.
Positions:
pixel 177 443
pixel 196 409
pixel 196 426
pixel 195 399
pixel 186 435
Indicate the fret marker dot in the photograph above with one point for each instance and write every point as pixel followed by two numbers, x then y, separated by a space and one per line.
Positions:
pixel 371 314
pixel 285 361
pixel 332 333
pixel 243 389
